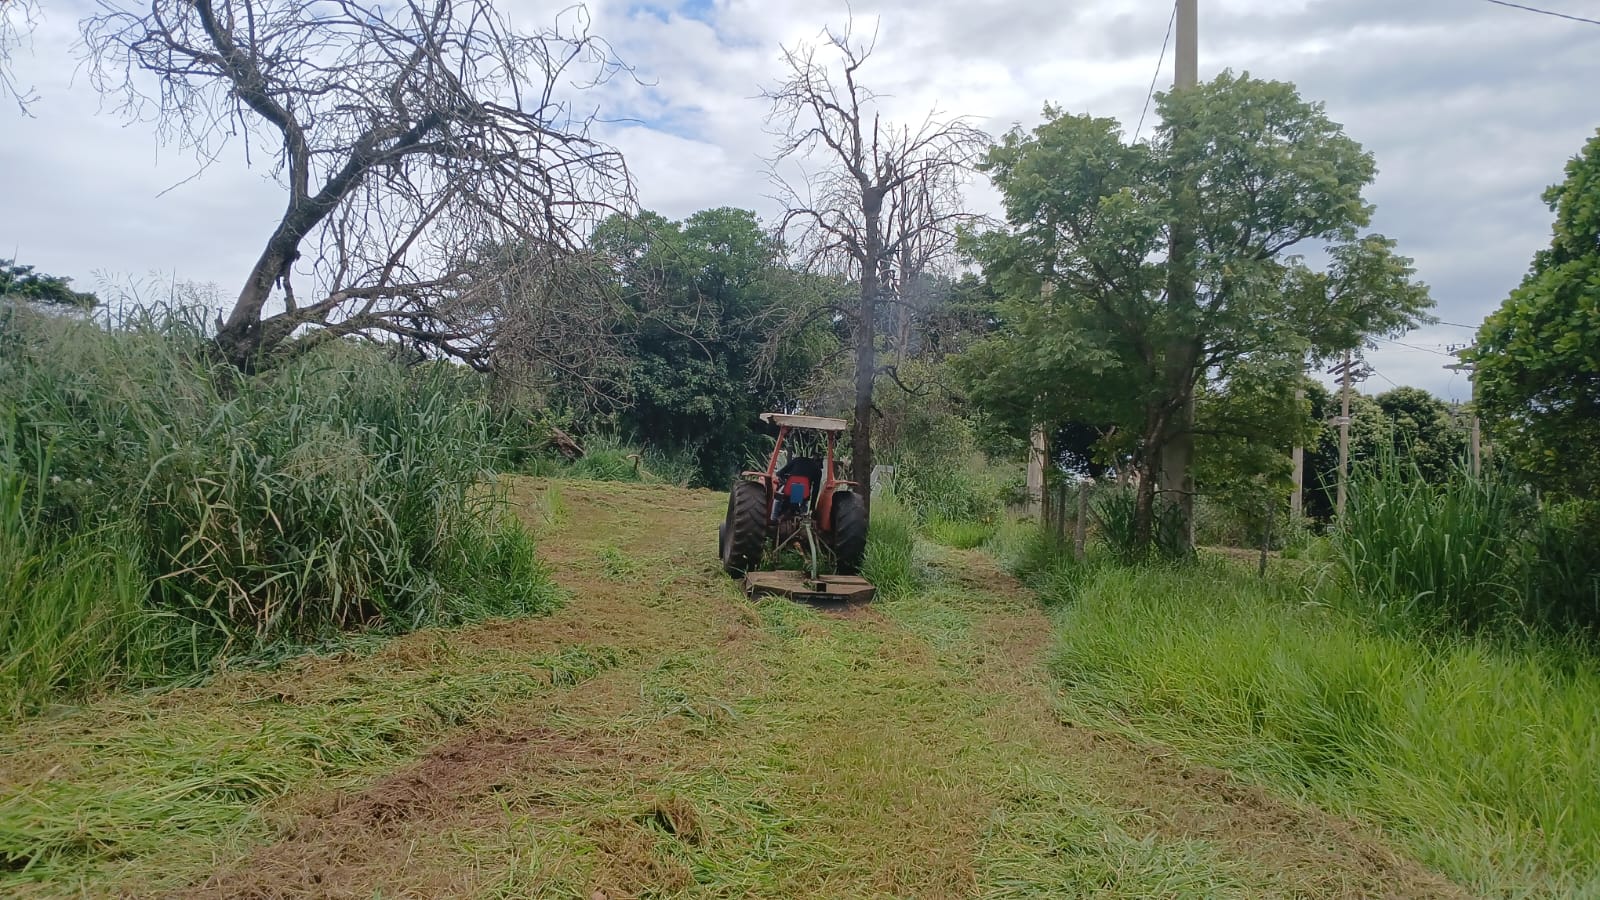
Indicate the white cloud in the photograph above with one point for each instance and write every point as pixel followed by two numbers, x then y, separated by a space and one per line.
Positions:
pixel 1471 110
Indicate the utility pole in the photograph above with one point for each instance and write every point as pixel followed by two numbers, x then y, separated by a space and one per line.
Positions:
pixel 1349 372
pixel 1297 457
pixel 1187 59
pixel 1177 460
pixel 1344 434
pixel 1475 457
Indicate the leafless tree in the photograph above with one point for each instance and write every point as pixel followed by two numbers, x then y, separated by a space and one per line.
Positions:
pixel 17 21
pixel 922 219
pixel 858 214
pixel 411 139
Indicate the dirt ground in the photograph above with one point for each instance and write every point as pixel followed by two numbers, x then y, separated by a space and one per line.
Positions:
pixel 663 736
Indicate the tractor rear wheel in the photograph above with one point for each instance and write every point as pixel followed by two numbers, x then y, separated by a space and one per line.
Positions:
pixel 744 532
pixel 849 538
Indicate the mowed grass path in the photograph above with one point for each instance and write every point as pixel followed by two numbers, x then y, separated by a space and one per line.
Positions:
pixel 659 736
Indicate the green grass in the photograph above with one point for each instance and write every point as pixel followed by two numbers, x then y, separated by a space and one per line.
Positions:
pixel 962 535
pixel 160 511
pixel 1482 759
pixel 890 562
pixel 681 740
pixel 197 775
pixel 1441 557
pixel 1474 553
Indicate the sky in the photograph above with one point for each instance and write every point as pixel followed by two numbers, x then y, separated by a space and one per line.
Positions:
pixel 1471 109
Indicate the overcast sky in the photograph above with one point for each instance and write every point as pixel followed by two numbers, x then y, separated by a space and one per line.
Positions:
pixel 1471 109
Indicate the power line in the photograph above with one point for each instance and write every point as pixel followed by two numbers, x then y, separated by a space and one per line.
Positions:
pixel 1545 12
pixel 1415 347
pixel 1157 73
pixel 1383 376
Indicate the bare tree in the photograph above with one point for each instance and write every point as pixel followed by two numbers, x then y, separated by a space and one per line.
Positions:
pixel 844 218
pixel 408 137
pixel 922 220
pixel 17 21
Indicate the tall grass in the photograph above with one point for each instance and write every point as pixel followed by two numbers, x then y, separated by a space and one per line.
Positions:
pixel 1471 553
pixel 1480 757
pixel 890 562
pixel 223 513
pixel 608 457
pixel 1114 511
pixel 1441 556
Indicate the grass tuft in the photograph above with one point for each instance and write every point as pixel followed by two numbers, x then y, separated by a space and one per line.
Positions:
pixel 890 563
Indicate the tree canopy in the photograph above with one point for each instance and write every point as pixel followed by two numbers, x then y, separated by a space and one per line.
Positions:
pixel 1537 359
pixel 1091 332
pixel 698 297
pixel 23 283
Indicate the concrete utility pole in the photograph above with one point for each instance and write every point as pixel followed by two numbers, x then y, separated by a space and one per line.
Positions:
pixel 1176 475
pixel 1475 457
pixel 1348 374
pixel 1344 434
pixel 1037 451
pixel 1297 457
pixel 1187 59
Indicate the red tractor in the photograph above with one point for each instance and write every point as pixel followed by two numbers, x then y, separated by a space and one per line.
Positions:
pixel 801 506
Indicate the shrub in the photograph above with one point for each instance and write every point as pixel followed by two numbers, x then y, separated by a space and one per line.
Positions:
pixel 1112 509
pixel 1561 586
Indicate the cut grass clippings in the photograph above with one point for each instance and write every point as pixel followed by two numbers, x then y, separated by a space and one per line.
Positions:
pixel 659 736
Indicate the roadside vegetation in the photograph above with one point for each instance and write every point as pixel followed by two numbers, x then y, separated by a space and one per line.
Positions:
pixel 1426 666
pixel 159 512
pixel 313 509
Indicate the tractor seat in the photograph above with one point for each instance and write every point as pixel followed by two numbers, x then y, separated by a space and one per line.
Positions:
pixel 796 490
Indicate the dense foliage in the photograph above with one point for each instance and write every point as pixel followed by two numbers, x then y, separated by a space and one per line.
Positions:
pixel 20 282
pixel 157 509
pixel 1538 357
pixel 1093 312
pixel 700 298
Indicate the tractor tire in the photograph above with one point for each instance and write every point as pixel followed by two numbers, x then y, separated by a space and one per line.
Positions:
pixel 744 532
pixel 849 538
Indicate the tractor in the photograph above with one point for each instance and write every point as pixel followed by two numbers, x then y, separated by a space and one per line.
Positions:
pixel 802 506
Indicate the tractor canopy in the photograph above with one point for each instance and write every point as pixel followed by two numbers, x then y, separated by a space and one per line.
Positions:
pixel 814 423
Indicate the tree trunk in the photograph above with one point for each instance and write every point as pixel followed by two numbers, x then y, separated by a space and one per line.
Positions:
pixel 1147 466
pixel 1144 507
pixel 866 372
pixel 866 352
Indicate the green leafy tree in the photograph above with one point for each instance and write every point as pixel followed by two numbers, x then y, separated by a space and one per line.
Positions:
pixel 697 295
pixel 1091 332
pixel 1424 431
pixel 1538 356
pixel 23 283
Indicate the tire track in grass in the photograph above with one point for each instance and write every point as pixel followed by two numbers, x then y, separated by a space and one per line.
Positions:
pixel 1285 849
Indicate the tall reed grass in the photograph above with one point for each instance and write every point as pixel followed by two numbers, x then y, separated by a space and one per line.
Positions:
pixel 1471 553
pixel 166 509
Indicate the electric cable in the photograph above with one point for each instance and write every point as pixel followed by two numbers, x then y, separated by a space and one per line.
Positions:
pixel 1157 74
pixel 1545 12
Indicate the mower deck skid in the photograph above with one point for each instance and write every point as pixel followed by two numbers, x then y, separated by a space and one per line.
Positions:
pixel 825 589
